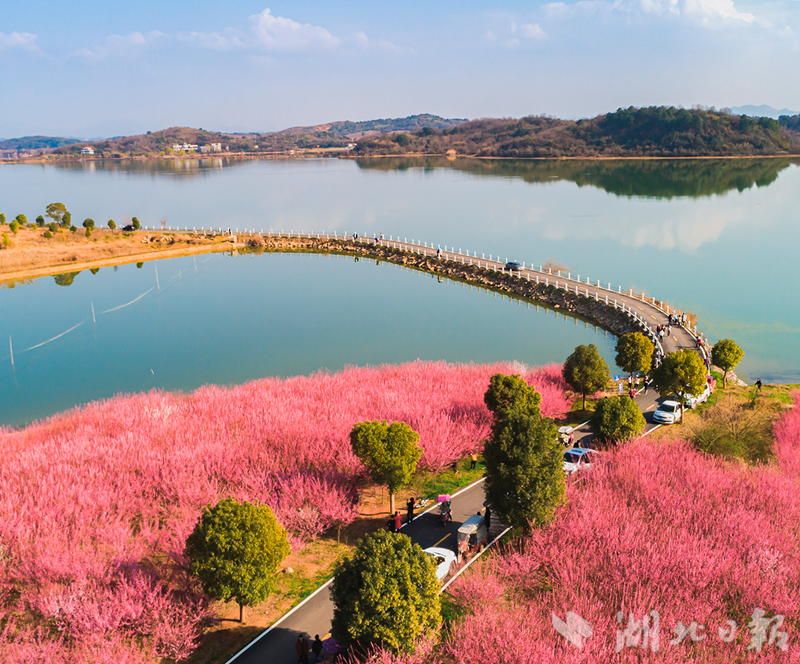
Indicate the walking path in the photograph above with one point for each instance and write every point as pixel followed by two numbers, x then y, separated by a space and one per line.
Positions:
pixel 276 646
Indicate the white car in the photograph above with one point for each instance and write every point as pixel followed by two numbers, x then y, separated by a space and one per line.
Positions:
pixel 692 401
pixel 578 458
pixel 668 412
pixel 442 558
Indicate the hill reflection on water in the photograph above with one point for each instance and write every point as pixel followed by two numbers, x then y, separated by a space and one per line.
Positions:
pixel 663 178
pixel 660 179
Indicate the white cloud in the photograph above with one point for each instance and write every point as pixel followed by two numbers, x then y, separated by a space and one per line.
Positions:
pixel 361 39
pixel 283 34
pixel 705 12
pixel 120 46
pixel 227 40
pixel 532 31
pixel 703 9
pixel 22 40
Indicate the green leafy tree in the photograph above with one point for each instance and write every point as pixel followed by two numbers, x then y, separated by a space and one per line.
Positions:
pixel 617 420
pixel 387 593
pixel 56 212
pixel 52 226
pixel 112 224
pixel 73 228
pixel 40 221
pixel 726 354
pixel 21 219
pixel 524 461
pixel 2 217
pixel 136 224
pixel 47 234
pixel 14 226
pixel 88 223
pixel 235 550
pixel 88 232
pixel 682 373
pixel 66 222
pixel 389 452
pixel 634 353
pixel 585 371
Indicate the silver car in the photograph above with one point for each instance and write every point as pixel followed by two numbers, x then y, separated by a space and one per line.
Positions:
pixel 668 412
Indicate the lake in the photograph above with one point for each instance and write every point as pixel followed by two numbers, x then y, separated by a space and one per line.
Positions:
pixel 716 237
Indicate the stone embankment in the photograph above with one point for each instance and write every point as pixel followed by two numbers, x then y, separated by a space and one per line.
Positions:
pixel 604 315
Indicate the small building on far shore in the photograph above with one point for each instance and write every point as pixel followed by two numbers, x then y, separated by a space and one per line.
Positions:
pixel 88 151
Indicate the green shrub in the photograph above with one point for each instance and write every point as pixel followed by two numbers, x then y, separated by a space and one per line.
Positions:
pixel 47 234
pixel 387 593
pixel 617 420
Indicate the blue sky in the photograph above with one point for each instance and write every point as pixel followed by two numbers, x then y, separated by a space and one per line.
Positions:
pixel 91 68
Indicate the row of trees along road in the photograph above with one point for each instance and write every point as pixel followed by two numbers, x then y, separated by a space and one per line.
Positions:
pixel 388 592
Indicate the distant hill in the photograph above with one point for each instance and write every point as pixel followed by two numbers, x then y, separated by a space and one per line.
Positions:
pixel 350 129
pixel 657 131
pixel 333 135
pixel 763 111
pixel 35 142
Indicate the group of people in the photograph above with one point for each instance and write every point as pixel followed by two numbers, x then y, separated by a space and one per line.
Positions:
pixel 303 649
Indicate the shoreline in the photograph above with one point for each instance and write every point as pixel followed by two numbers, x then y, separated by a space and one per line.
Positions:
pixel 348 155
pixel 52 270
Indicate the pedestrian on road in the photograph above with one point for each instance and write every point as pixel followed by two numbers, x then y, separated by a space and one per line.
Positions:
pixel 473 461
pixel 398 521
pixel 316 648
pixel 438 253
pixel 488 518
pixel 410 509
pixel 758 384
pixel 301 647
pixel 632 394
pixel 645 384
pixel 630 382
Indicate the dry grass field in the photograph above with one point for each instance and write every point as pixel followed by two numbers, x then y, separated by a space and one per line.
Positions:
pixel 28 254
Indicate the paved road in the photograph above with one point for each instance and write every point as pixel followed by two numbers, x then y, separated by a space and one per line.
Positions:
pixel 314 617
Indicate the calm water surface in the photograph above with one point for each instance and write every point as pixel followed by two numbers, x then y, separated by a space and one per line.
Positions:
pixel 718 237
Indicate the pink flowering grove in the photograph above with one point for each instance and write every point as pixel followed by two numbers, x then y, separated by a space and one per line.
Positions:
pixel 657 527
pixel 96 503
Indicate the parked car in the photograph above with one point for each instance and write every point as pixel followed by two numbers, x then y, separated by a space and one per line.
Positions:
pixel 513 265
pixel 692 401
pixel 128 227
pixel 442 558
pixel 578 458
pixel 668 412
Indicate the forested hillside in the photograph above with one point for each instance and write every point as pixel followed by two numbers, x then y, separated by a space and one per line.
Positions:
pixel 333 135
pixel 35 142
pixel 351 129
pixel 656 131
